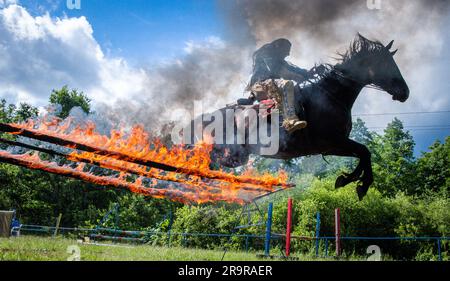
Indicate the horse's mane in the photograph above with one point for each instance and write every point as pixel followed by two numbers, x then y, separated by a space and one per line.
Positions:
pixel 360 46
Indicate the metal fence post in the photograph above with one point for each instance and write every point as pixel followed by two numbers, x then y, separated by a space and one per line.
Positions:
pixel 317 233
pixel 288 227
pixel 337 232
pixel 246 242
pixel 268 229
pixel 184 239
pixel 439 249
pixel 58 221
pixel 170 227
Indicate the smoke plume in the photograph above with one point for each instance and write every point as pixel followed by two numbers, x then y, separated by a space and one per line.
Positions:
pixel 216 71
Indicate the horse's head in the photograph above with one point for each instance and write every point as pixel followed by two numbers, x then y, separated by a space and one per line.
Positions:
pixel 372 63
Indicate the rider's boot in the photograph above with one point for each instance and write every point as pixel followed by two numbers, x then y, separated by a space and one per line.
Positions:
pixel 291 122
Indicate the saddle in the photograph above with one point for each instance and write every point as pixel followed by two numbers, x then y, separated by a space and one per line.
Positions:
pixel 264 107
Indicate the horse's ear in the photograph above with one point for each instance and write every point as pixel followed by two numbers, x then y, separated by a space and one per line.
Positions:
pixel 389 46
pixel 394 52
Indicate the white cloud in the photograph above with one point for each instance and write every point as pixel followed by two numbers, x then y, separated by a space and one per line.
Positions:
pixel 210 71
pixel 212 42
pixel 42 53
pixel 4 3
pixel 422 40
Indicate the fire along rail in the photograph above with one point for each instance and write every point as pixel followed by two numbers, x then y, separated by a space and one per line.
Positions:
pixel 37 135
pixel 102 164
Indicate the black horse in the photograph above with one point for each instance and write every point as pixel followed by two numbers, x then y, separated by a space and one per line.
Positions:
pixel 327 104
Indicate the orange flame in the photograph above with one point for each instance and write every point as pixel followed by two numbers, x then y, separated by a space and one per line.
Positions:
pixel 200 184
pixel 34 162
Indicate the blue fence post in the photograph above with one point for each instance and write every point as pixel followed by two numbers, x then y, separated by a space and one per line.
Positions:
pixel 439 250
pixel 268 229
pixel 326 247
pixel 317 233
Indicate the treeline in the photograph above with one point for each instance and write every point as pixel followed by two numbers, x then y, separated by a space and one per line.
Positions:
pixel 39 197
pixel 409 197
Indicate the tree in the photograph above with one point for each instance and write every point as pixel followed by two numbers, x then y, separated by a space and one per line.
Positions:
pixel 11 113
pixel 433 169
pixel 393 160
pixel 26 111
pixel 69 99
pixel 39 197
pixel 7 111
pixel 400 143
pixel 360 133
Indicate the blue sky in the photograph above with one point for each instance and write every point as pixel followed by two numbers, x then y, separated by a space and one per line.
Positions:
pixel 144 33
pixel 141 31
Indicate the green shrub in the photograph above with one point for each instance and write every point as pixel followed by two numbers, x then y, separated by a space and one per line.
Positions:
pixel 200 220
pixel 375 216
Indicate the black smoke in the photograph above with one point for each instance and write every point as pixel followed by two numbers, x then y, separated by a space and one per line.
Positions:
pixel 216 72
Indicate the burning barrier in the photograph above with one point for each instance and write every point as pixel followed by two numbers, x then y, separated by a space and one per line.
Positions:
pixel 140 164
pixel 130 168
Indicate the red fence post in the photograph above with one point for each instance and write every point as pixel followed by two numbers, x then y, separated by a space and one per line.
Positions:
pixel 337 228
pixel 288 227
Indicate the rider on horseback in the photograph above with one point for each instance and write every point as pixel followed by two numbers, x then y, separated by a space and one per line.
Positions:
pixel 274 78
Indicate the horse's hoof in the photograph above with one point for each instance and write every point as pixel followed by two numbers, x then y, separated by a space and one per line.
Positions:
pixel 341 181
pixel 362 191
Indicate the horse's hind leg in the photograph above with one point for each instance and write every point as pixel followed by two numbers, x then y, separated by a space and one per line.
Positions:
pixel 363 171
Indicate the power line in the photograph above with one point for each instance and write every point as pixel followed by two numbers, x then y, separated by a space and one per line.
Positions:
pixel 425 126
pixel 416 129
pixel 401 113
pixel 416 126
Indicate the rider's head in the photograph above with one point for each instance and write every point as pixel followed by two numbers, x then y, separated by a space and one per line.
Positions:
pixel 281 47
pixel 278 49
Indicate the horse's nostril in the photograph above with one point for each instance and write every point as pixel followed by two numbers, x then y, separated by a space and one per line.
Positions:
pixel 403 96
pixel 400 95
pixel 399 90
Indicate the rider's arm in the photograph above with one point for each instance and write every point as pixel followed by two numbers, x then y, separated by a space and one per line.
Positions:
pixel 261 71
pixel 295 73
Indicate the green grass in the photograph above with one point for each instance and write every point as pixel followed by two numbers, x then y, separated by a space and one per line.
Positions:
pixel 33 248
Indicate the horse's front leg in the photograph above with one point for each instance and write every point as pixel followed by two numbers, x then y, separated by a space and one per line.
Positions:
pixel 363 171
